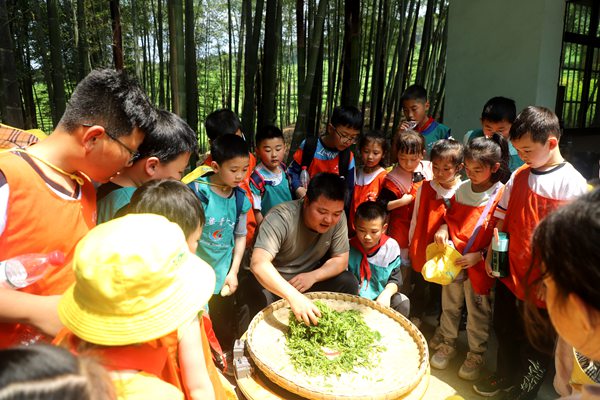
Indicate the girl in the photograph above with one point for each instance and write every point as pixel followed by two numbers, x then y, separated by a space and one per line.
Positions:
pixel 401 184
pixel 565 248
pixel 369 178
pixel 468 227
pixel 428 215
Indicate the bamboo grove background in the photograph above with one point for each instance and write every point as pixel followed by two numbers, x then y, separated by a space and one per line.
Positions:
pixel 283 62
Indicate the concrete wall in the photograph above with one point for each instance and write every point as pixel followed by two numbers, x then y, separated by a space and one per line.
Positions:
pixel 505 48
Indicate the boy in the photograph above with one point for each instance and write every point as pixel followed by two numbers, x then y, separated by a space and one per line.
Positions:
pixel 415 107
pixel 223 238
pixel 330 152
pixel 269 182
pixel 164 154
pixel 104 123
pixel 375 259
pixel 497 116
pixel 536 189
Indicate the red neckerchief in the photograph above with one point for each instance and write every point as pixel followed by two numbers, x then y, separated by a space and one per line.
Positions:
pixel 426 125
pixel 365 269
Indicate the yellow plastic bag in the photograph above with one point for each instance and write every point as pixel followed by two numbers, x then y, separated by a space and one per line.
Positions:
pixel 440 266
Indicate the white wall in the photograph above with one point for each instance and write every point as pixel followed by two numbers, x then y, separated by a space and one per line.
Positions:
pixel 505 48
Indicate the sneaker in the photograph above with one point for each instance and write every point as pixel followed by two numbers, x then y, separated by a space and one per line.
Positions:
pixel 416 322
pixel 442 356
pixel 436 340
pixel 529 385
pixel 491 386
pixel 471 368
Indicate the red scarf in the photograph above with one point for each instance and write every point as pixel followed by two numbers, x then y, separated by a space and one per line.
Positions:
pixel 365 269
pixel 425 125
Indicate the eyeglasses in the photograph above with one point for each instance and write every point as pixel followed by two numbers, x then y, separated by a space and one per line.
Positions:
pixel 345 138
pixel 132 153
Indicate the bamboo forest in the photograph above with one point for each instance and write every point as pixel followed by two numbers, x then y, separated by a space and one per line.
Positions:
pixel 271 61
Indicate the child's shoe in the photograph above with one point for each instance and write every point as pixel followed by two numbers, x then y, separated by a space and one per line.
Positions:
pixel 491 385
pixel 442 356
pixel 471 367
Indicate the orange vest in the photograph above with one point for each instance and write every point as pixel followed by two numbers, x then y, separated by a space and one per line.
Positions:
pixel 250 218
pixel 461 220
pixel 524 212
pixel 364 193
pixel 430 217
pixel 40 221
pixel 399 222
pixel 158 357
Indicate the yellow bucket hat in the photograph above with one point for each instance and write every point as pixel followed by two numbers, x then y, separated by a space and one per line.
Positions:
pixel 440 267
pixel 135 280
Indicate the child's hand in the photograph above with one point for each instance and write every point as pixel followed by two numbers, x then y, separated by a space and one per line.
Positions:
pixel 302 282
pixel 468 260
pixel 441 236
pixel 408 124
pixel 384 299
pixel 232 282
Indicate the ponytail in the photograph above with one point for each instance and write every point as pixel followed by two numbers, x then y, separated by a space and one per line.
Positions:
pixel 489 152
pixel 503 173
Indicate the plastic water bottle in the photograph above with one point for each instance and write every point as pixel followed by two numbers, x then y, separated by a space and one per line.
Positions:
pixel 24 270
pixel 304 178
pixel 500 266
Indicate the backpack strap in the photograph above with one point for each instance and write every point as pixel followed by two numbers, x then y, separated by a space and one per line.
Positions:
pixel 344 162
pixel 259 181
pixel 308 152
pixel 240 195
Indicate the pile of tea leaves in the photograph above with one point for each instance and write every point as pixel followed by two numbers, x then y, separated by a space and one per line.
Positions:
pixel 340 342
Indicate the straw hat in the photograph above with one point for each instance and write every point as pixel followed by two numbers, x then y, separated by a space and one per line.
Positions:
pixel 135 280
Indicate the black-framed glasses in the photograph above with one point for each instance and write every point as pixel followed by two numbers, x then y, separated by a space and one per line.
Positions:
pixel 132 153
pixel 345 138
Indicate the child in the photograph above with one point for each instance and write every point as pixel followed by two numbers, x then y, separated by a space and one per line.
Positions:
pixel 223 238
pixel 52 184
pixel 269 182
pixel 401 184
pixel 565 248
pixel 468 228
pixel 134 306
pixel 430 206
pixel 375 259
pixel 497 117
pixel 373 149
pixel 415 107
pixel 164 153
pixel 546 182
pixel 330 152
pixel 176 202
pixel 50 372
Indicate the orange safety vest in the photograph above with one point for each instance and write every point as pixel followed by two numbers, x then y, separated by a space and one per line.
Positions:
pixel 399 222
pixel 430 217
pixel 364 193
pixel 158 357
pixel 524 212
pixel 461 220
pixel 40 221
pixel 250 218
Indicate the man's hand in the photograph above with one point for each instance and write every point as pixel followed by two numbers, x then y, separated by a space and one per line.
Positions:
pixel 301 192
pixel 468 260
pixel 302 282
pixel 304 309
pixel 231 280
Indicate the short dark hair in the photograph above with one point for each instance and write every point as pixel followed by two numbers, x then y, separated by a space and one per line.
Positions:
pixel 376 137
pixel 448 149
pixel 53 373
pixel 173 200
pixel 228 147
pixel 349 116
pixel 414 92
pixel 170 137
pixel 331 186
pixel 221 122
pixel 539 122
pixel 370 211
pixel 111 99
pixel 489 152
pixel 498 109
pixel 268 132
pixel 408 142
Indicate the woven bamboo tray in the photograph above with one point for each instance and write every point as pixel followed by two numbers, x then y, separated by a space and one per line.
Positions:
pixel 402 365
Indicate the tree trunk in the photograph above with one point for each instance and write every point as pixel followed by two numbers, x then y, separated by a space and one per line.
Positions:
pixel 300 45
pixel 117 44
pixel 266 108
pixel 83 53
pixel 304 100
pixel 161 51
pixel 351 61
pixel 250 66
pixel 10 97
pixel 177 57
pixel 425 43
pixel 191 69
pixel 23 47
pixel 58 82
